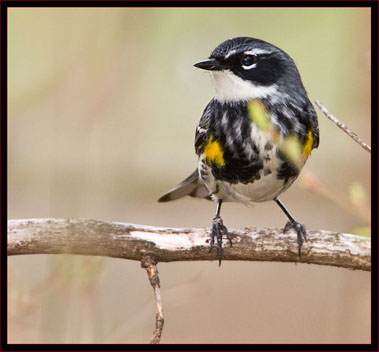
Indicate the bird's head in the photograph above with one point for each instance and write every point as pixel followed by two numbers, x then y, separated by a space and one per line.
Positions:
pixel 246 68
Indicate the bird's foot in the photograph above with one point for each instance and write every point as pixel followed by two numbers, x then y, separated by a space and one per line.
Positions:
pixel 217 231
pixel 300 230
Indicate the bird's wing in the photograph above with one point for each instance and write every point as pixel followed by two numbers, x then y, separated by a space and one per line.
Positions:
pixel 307 116
pixel 202 129
pixel 314 123
pixel 191 186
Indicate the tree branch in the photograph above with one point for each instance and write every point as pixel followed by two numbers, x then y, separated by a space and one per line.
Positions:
pixel 152 271
pixel 343 127
pixel 136 242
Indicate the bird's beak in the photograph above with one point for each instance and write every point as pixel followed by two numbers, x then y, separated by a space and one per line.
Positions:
pixel 210 64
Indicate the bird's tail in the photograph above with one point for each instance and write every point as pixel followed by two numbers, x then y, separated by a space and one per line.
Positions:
pixel 191 186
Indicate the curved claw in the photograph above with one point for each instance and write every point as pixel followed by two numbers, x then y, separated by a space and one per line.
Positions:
pixel 300 230
pixel 217 231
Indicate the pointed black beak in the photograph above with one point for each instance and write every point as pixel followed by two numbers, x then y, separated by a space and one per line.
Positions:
pixel 209 64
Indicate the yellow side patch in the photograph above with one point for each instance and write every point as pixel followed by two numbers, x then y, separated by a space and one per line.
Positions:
pixel 295 151
pixel 257 114
pixel 308 145
pixel 214 152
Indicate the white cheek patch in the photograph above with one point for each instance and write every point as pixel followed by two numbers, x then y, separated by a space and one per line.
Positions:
pixel 229 87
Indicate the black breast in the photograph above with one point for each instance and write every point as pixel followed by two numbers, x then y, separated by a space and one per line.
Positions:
pixel 230 125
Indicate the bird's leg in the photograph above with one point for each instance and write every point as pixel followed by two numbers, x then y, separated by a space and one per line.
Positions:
pixel 292 223
pixel 217 231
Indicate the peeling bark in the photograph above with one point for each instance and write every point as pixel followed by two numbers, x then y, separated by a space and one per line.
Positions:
pixel 135 242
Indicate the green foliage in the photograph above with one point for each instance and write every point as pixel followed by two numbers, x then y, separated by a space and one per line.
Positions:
pixel 363 231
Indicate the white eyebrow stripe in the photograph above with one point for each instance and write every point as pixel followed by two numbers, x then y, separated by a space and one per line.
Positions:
pixel 230 53
pixel 257 51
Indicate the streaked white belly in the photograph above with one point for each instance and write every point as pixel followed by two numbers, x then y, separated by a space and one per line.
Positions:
pixel 266 188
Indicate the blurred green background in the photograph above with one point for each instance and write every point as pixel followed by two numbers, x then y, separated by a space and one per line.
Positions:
pixel 103 105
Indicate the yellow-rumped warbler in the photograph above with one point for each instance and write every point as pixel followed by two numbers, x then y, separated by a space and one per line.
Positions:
pixel 256 133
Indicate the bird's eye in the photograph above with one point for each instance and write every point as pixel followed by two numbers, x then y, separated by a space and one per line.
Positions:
pixel 248 61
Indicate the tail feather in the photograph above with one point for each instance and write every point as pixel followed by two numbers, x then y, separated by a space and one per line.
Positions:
pixel 191 186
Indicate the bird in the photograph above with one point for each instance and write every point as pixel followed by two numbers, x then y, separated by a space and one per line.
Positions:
pixel 254 136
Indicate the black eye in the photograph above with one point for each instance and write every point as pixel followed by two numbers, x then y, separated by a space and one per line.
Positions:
pixel 247 60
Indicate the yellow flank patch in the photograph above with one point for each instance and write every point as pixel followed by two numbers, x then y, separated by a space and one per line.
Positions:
pixel 309 143
pixel 295 151
pixel 214 152
pixel 258 115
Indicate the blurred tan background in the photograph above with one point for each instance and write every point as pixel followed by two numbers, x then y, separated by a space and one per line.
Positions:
pixel 103 105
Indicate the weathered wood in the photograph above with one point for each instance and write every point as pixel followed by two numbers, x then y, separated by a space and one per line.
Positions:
pixel 135 242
